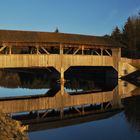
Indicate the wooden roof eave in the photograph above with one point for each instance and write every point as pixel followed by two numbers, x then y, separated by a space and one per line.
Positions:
pixel 55 44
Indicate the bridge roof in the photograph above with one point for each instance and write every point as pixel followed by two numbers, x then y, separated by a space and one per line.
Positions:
pixel 52 37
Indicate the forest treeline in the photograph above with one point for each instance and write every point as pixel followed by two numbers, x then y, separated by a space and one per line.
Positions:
pixel 129 37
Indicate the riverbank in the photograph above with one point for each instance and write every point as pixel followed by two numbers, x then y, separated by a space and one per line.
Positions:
pixel 11 129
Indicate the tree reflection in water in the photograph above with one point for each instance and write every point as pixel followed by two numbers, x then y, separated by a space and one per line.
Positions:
pixel 132 111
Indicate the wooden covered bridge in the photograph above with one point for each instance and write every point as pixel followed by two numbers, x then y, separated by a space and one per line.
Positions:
pixel 25 49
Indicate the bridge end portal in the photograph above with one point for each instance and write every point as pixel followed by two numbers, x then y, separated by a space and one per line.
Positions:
pixel 126 67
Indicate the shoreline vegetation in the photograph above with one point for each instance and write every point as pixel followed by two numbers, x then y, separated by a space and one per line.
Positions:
pixel 11 129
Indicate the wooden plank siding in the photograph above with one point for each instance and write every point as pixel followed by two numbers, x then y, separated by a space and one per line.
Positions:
pixel 53 60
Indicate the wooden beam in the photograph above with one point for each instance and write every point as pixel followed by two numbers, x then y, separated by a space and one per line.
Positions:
pixel 83 49
pixel 107 52
pixel 61 113
pixel 61 49
pixel 102 106
pixel 96 52
pixel 10 49
pixel 83 111
pixel 2 48
pixel 38 116
pixel 37 49
pixel 101 52
pixel 62 80
pixel 68 50
pixel 77 110
pixel 76 51
pixel 44 115
pixel 45 50
pixel 107 105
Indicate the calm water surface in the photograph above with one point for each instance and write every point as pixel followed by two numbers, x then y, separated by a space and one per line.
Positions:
pixel 123 125
pixel 114 128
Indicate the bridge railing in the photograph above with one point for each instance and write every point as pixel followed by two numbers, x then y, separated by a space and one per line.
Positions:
pixel 53 60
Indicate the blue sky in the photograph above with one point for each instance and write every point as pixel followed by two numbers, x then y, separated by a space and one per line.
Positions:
pixel 95 17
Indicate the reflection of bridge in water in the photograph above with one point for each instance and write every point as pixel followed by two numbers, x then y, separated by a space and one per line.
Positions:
pixel 59 101
pixel 43 124
pixel 43 112
pixel 46 111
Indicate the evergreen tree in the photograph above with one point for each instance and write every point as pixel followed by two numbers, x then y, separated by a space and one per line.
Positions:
pixel 131 33
pixel 138 32
pixel 56 30
pixel 129 36
pixel 116 34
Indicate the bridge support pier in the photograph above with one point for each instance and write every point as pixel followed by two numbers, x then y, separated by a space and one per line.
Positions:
pixel 116 100
pixel 61 113
pixel 125 68
pixel 62 81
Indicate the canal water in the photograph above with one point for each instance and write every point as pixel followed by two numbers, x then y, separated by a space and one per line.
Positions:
pixel 122 124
